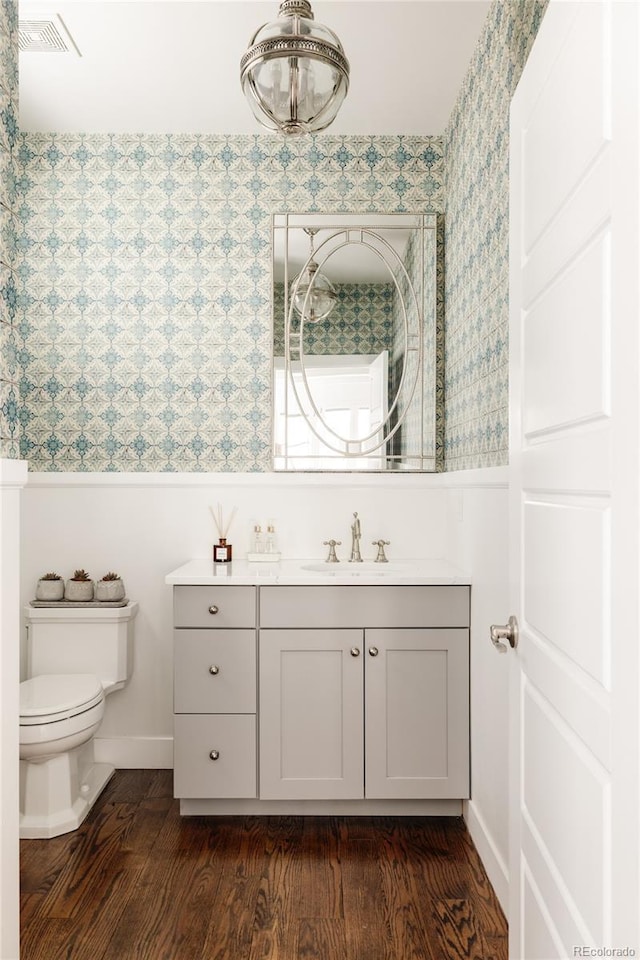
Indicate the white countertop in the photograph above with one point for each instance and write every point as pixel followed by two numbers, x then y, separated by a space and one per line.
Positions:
pixel 297 572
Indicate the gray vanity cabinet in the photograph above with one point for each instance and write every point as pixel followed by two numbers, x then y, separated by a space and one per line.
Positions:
pixel 364 692
pixel 351 693
pixel 215 691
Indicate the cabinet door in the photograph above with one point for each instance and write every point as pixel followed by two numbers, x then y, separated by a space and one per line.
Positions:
pixel 311 714
pixel 417 713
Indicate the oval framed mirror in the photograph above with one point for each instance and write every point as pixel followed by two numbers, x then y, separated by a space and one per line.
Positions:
pixel 355 358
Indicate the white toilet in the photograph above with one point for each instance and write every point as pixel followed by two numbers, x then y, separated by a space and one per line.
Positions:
pixel 75 657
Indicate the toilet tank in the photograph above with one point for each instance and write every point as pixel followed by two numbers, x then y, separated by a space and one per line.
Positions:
pixel 82 640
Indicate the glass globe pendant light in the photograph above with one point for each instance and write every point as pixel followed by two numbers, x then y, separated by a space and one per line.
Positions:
pixel 312 293
pixel 295 74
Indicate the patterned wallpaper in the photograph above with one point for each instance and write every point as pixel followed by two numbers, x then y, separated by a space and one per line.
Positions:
pixel 477 240
pixel 144 309
pixel 8 142
pixel 137 335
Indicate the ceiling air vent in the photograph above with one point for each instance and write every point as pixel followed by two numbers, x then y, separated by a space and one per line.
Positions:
pixel 45 36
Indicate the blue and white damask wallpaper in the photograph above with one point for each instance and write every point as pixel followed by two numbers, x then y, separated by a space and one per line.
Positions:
pixel 144 268
pixel 138 333
pixel 8 292
pixel 476 146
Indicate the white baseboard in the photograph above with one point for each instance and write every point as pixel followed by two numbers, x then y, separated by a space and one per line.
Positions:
pixel 135 753
pixel 494 864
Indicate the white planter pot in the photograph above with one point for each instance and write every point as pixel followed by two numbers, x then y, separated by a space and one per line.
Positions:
pixel 50 590
pixel 79 590
pixel 109 590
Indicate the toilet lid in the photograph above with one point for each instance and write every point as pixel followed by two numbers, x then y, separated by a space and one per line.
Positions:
pixel 58 695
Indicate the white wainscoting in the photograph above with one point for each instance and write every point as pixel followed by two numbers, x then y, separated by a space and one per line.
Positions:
pixel 13 476
pixel 478 542
pixel 144 525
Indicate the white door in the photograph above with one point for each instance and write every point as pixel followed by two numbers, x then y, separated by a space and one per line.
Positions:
pixel 574 496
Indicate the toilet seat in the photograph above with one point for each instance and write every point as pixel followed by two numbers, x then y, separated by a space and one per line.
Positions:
pixel 54 697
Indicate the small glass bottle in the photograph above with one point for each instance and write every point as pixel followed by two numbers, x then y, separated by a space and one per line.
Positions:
pixel 222 551
pixel 258 542
pixel 271 545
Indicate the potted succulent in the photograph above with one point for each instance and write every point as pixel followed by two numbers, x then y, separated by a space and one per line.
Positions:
pixel 79 587
pixel 50 587
pixel 110 587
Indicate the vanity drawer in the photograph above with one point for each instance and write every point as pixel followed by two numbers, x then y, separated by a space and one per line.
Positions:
pixel 366 606
pixel 214 671
pixel 232 774
pixel 214 606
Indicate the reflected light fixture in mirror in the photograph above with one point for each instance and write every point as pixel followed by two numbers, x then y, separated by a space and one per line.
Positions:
pixel 295 74
pixel 313 295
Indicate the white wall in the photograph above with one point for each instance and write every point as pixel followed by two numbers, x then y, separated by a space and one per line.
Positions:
pixel 13 476
pixel 478 542
pixel 144 525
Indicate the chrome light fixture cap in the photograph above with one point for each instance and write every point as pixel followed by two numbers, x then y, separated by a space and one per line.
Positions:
pixel 295 74
pixel 313 294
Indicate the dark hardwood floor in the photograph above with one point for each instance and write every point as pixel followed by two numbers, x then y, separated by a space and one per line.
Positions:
pixel 138 882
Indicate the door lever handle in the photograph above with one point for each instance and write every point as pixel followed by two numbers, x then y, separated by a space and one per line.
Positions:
pixel 508 631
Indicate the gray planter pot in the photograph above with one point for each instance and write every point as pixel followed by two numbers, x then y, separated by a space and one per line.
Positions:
pixel 109 590
pixel 49 590
pixel 79 590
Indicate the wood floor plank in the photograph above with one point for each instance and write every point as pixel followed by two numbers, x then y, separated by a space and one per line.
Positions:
pixel 139 882
pixel 30 907
pixel 498 947
pixel 363 901
pixel 152 923
pixel 320 938
pixel 404 915
pixel 273 942
pixel 318 892
pixel 458 933
pixel 241 861
pixel 42 861
pixel 44 939
pixel 101 911
pixel 91 859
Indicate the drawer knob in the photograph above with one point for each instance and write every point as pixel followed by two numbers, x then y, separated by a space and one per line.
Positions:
pixel 355 652
pixel 213 608
pixel 214 669
pixel 373 651
pixel 214 755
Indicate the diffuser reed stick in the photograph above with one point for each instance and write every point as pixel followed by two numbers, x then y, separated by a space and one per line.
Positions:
pixel 222 550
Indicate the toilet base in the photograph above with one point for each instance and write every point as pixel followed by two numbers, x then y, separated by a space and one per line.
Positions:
pixel 58 793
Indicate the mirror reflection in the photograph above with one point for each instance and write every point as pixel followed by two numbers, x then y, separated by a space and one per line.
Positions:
pixel 355 367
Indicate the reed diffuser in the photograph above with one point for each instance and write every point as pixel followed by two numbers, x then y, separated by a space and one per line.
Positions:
pixel 222 551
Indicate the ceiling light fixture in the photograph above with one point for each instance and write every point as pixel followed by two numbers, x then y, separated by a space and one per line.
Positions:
pixel 313 295
pixel 295 74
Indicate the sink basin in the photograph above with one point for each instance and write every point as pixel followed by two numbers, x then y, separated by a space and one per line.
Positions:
pixel 367 568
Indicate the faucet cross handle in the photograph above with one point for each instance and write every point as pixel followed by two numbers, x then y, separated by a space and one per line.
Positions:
pixel 381 544
pixel 332 544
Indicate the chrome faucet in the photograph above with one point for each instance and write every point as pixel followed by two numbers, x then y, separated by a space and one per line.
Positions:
pixel 332 544
pixel 356 533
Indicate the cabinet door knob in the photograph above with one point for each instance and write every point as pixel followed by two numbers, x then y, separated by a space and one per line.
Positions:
pixel 214 755
pixel 373 651
pixel 213 608
pixel 214 669
pixel 355 652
